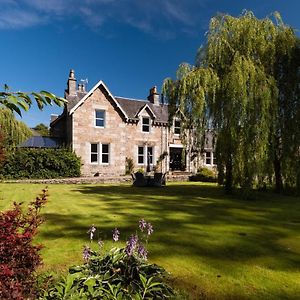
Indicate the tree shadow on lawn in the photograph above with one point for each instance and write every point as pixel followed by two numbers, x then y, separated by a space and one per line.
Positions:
pixel 192 221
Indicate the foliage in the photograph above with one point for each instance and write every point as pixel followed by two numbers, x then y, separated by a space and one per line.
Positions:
pixel 2 149
pixel 13 131
pixel 129 167
pixel 118 274
pixel 204 175
pixel 158 165
pixel 42 129
pixel 15 101
pixel 40 163
pixel 18 257
pixel 245 88
pixel 203 237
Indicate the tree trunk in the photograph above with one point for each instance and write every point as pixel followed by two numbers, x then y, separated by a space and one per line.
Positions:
pixel 228 176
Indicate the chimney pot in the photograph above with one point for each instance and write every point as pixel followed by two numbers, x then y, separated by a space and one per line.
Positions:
pixel 153 96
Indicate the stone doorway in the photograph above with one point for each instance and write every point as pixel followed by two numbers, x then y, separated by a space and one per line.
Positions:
pixel 176 159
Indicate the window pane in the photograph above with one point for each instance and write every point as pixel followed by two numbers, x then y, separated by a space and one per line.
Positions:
pixel 208 154
pixel 145 128
pixel 140 155
pixel 104 158
pixel 141 150
pixel 100 118
pixel 99 123
pixel 94 147
pixel 146 121
pixel 99 114
pixel 150 154
pixel 94 157
pixel 105 148
pixel 146 125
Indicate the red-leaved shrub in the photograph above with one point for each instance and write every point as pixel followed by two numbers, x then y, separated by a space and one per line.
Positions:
pixel 19 258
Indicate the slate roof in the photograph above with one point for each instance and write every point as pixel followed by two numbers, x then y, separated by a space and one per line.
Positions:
pixel 133 106
pixel 42 142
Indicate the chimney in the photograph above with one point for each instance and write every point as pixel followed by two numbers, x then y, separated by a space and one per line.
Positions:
pixel 71 89
pixel 153 96
pixel 81 88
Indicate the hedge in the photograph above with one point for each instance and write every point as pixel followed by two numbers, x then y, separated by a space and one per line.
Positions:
pixel 40 163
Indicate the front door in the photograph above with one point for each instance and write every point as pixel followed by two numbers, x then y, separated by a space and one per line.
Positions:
pixel 176 159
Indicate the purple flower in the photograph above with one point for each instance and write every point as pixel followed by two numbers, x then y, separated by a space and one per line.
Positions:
pixel 149 229
pixel 91 231
pixel 131 245
pixel 86 253
pixel 142 252
pixel 142 224
pixel 116 234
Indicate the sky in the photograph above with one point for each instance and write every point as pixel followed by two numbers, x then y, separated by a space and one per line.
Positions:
pixel 131 45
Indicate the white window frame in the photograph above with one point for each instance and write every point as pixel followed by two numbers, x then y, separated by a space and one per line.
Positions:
pixel 147 125
pixel 145 155
pixel 141 155
pixel 100 154
pixel 177 127
pixel 211 158
pixel 100 119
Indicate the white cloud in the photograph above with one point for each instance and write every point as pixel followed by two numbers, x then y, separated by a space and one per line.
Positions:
pixel 14 19
pixel 154 16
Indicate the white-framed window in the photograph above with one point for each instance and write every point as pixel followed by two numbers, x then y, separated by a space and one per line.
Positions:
pixel 150 155
pixel 145 124
pixel 208 158
pixel 145 155
pixel 177 126
pixel 100 153
pixel 94 153
pixel 141 155
pixel 100 118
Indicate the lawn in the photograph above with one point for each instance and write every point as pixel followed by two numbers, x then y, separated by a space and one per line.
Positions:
pixel 215 246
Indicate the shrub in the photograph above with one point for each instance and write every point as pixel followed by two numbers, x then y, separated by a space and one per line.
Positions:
pixel 129 167
pixel 205 175
pixel 41 163
pixel 121 273
pixel 18 257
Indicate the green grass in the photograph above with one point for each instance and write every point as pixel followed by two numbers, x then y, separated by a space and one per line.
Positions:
pixel 215 246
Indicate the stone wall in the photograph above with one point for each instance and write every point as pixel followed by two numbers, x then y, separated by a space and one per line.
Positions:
pixel 123 138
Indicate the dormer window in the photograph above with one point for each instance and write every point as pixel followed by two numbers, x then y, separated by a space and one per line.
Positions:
pixel 145 124
pixel 100 118
pixel 177 127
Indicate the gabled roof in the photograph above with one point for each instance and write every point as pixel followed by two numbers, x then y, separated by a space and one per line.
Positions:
pixel 42 142
pixel 146 106
pixel 132 107
pixel 97 85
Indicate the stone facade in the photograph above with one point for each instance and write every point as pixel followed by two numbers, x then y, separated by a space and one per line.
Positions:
pixel 105 130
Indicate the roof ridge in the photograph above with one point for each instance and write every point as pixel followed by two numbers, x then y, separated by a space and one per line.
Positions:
pixel 127 98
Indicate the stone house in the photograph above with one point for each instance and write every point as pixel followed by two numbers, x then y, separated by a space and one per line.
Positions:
pixel 105 130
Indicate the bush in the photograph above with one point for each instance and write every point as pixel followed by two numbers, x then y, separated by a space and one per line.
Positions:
pixel 205 175
pixel 18 257
pixel 40 163
pixel 129 167
pixel 118 274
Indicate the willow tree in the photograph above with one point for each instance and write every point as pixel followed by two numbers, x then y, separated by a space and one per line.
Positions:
pixel 238 71
pixel 13 131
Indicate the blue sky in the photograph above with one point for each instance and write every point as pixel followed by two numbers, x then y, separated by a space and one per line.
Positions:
pixel 131 45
